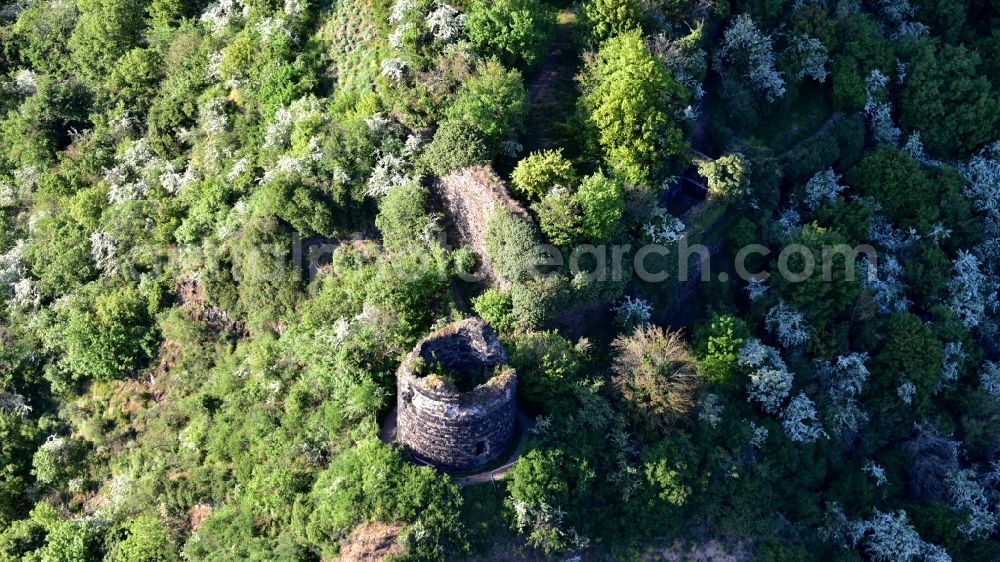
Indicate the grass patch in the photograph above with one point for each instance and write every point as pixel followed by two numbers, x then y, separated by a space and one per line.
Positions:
pixel 482 516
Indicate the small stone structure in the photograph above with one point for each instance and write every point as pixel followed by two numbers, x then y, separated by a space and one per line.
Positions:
pixel 456 398
pixel 469 197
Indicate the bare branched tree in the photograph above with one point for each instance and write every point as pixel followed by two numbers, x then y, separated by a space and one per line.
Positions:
pixel 654 377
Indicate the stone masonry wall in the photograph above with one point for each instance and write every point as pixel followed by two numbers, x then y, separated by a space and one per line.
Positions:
pixel 469 197
pixel 452 430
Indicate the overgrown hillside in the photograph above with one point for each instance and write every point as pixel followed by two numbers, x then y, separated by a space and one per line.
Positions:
pixel 222 228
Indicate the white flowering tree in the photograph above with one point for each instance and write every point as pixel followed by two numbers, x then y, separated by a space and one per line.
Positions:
pixel 789 222
pixel 219 15
pixel 24 83
pixel 13 404
pixel 845 380
pixel 756 289
pixel 770 380
pixel 16 285
pixel 788 325
pixel 885 282
pixel 850 374
pixel 104 252
pixel 758 435
pixel 394 69
pixel 889 537
pixel 710 410
pixel 663 228
pixel 895 17
pixel 982 172
pixel 746 48
pixel 883 233
pixel 390 171
pixel 544 528
pixel 906 391
pixel 915 148
pixel 877 472
pixel 800 422
pixel 989 378
pixel 972 293
pixel 811 55
pixel 879 110
pixel 952 361
pixel 824 187
pixel 445 22
pixel 966 495
pixel 413 26
pixel 632 312
pixel 135 167
pixel 685 59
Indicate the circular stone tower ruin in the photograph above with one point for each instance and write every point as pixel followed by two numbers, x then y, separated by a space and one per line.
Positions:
pixel 456 398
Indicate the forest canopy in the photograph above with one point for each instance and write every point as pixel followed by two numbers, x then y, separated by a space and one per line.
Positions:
pixel 742 256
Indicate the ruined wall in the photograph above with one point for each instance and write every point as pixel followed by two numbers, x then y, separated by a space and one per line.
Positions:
pixel 469 196
pixel 440 424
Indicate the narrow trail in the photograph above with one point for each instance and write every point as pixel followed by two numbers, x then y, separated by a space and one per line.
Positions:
pixel 525 424
pixel 552 90
pixel 820 131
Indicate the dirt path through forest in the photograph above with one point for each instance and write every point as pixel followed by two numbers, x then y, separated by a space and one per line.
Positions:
pixel 552 90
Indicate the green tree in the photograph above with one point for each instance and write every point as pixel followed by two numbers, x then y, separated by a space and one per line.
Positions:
pixel 46 120
pixel 722 339
pixel 108 334
pixel 630 103
pixel 147 540
pixel 176 105
pixel 608 18
pixel 60 256
pixel 670 468
pixel 547 366
pixel 493 104
pixel 18 438
pixel 514 31
pixel 602 201
pixel 911 354
pixel 511 245
pixel 540 487
pixel 297 201
pixel 106 30
pixel 896 181
pixel 455 146
pixel 495 307
pixel 371 481
pixel 402 216
pixel 861 48
pixel 948 99
pixel 135 78
pixel 559 217
pixel 164 13
pixel 946 18
pixel 727 176
pixel 539 172
pixel 830 290
pixel 535 301
pixel 42 31
pixel 72 541
pixel 268 279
